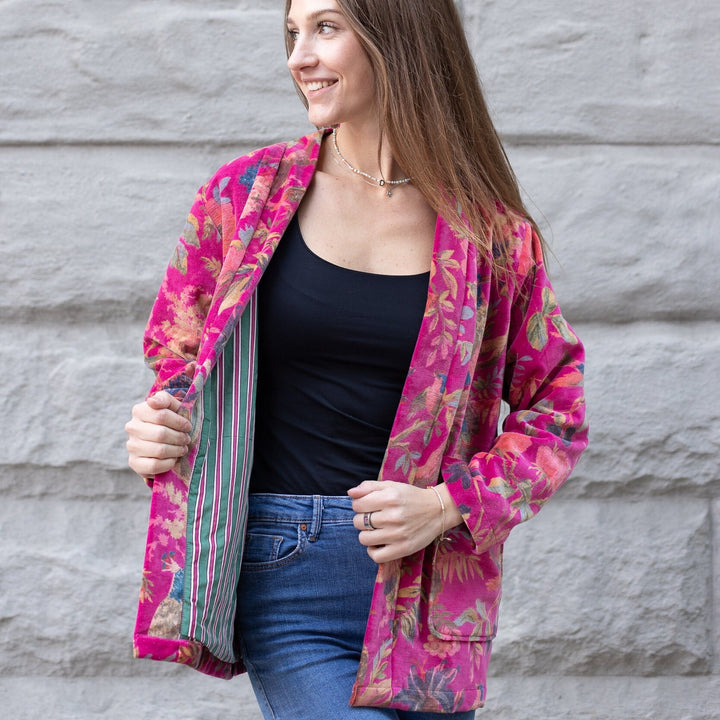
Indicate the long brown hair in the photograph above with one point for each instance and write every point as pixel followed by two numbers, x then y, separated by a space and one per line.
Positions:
pixel 434 114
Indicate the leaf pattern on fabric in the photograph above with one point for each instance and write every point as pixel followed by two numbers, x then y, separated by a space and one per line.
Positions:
pixel 538 335
pixel 190 235
pixel 146 593
pixel 179 259
pixel 434 686
pixel 186 317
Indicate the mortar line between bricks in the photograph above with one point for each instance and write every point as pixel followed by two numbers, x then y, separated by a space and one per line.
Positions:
pixel 714 599
pixel 40 315
pixel 674 322
pixel 510 140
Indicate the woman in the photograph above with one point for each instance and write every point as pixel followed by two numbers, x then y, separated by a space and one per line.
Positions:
pixel 357 556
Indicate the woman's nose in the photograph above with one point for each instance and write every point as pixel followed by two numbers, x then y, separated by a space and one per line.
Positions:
pixel 302 55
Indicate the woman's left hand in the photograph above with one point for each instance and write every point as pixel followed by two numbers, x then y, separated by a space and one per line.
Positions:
pixel 406 518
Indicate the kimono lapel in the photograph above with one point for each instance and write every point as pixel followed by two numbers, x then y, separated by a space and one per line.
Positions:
pixel 280 184
pixel 190 617
pixel 428 417
pixel 438 375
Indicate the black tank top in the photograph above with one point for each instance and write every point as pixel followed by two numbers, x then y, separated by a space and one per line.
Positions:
pixel 334 349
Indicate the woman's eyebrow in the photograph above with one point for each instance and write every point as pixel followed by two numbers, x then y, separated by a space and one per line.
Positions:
pixel 316 14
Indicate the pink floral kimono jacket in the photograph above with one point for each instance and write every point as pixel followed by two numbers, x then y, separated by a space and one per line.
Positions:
pixel 482 340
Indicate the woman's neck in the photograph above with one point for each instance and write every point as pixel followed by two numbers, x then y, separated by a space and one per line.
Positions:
pixel 359 147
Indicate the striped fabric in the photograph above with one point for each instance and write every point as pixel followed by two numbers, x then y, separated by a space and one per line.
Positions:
pixel 217 497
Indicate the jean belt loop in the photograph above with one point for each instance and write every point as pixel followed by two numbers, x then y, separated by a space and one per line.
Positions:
pixel 317 518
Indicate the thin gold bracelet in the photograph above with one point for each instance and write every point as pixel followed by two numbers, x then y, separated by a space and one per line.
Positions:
pixel 442 506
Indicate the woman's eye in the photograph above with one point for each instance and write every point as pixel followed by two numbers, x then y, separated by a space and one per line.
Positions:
pixel 292 34
pixel 325 27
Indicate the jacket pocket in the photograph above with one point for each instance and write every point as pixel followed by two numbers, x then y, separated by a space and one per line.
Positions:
pixel 464 589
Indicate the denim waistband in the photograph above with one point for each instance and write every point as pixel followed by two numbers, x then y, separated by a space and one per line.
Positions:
pixel 313 510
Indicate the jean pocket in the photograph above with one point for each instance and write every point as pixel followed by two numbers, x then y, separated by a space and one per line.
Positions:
pixel 267 548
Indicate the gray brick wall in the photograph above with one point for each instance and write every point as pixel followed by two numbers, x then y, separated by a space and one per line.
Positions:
pixel 112 113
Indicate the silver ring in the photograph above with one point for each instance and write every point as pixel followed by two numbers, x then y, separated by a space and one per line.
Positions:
pixel 367 521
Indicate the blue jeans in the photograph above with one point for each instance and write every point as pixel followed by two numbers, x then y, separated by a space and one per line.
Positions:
pixel 304 597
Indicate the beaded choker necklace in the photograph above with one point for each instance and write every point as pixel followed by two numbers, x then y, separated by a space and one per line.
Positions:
pixel 380 182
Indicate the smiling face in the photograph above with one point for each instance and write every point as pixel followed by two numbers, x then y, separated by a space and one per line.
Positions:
pixel 330 65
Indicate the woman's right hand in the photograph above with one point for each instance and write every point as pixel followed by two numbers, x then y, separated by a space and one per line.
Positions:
pixel 158 435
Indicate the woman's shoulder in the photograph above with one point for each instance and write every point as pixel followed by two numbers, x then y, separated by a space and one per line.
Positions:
pixel 244 170
pixel 516 240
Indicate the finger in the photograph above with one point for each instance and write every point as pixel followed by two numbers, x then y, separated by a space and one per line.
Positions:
pixel 164 399
pixel 151 432
pixel 385 553
pixel 167 416
pixel 364 488
pixel 160 451
pixel 366 496
pixel 171 419
pixel 145 413
pixel 375 519
pixel 148 467
pixel 373 538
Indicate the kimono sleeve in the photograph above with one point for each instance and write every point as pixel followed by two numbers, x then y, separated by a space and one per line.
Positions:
pixel 545 431
pixel 174 330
